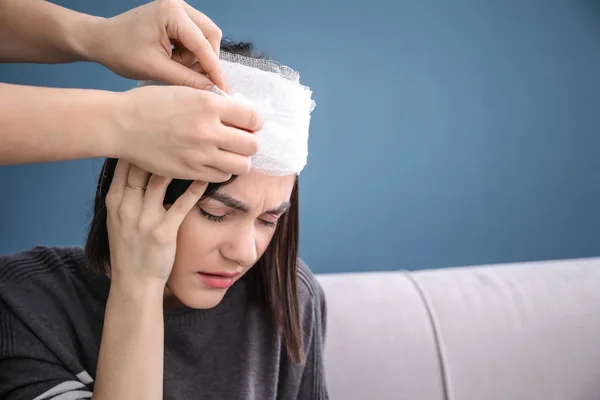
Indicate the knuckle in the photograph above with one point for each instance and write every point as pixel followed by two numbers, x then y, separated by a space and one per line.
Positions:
pixel 191 80
pixel 110 201
pixel 160 235
pixel 199 139
pixel 168 3
pixel 143 225
pixel 196 164
pixel 211 104
pixel 217 32
pixel 209 136
pixel 165 6
pixel 190 163
pixel 126 212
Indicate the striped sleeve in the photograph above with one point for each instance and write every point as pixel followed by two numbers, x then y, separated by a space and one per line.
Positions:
pixel 29 370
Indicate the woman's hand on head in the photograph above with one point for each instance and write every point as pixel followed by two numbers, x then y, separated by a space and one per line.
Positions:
pixel 142 233
pixel 137 44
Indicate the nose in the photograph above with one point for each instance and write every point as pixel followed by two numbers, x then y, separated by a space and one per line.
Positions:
pixel 240 246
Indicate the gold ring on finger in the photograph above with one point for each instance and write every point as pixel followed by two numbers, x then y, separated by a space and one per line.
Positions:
pixel 135 187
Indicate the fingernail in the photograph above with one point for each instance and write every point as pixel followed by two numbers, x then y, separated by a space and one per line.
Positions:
pixel 209 87
pixel 219 91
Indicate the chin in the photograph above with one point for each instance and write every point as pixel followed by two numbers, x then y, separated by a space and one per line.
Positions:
pixel 199 299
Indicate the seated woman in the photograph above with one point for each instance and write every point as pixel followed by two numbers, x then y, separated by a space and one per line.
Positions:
pixel 184 290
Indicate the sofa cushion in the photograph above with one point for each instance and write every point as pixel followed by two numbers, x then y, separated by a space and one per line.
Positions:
pixel 379 342
pixel 518 332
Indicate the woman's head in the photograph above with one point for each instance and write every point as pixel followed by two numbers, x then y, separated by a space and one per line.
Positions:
pixel 227 233
pixel 247 227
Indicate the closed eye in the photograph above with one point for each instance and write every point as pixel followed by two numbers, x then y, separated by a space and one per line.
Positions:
pixel 268 224
pixel 212 217
pixel 221 218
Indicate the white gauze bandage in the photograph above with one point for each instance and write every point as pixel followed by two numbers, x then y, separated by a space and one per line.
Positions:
pixel 275 91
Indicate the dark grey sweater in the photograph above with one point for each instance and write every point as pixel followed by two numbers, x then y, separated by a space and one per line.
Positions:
pixel 51 317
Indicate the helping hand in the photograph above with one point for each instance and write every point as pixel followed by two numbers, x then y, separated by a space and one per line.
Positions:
pixel 137 44
pixel 185 133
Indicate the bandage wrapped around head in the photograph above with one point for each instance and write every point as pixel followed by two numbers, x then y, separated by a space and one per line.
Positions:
pixel 284 103
pixel 275 92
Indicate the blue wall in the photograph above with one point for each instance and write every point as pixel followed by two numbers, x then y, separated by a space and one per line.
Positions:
pixel 446 133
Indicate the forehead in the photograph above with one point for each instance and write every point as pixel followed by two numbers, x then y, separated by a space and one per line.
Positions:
pixel 259 190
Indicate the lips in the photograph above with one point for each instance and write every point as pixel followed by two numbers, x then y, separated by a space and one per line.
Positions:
pixel 218 280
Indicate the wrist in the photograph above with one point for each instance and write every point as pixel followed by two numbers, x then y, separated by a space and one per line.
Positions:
pixel 86 37
pixel 106 132
pixel 122 114
pixel 137 289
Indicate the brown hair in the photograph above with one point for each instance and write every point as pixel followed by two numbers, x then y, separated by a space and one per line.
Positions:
pixel 272 279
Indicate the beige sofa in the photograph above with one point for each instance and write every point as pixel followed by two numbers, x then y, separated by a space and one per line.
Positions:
pixel 504 332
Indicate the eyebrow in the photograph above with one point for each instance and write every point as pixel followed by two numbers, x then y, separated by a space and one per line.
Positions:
pixel 241 206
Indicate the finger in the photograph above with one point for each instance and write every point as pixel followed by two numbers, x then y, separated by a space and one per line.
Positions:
pixel 241 116
pixel 237 141
pixel 138 177
pixel 231 163
pixel 117 186
pixel 133 199
pixel 209 173
pixel 192 37
pixel 155 193
pixel 184 57
pixel 172 72
pixel 211 31
pixel 182 206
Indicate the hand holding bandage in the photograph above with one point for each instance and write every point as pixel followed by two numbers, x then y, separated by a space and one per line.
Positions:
pixel 283 104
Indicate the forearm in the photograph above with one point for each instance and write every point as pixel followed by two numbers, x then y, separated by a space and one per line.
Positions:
pixel 48 124
pixel 41 32
pixel 130 363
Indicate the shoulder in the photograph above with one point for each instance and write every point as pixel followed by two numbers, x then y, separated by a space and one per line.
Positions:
pixel 46 288
pixel 309 288
pixel 39 264
pixel 42 274
pixel 40 320
pixel 314 324
pixel 311 299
